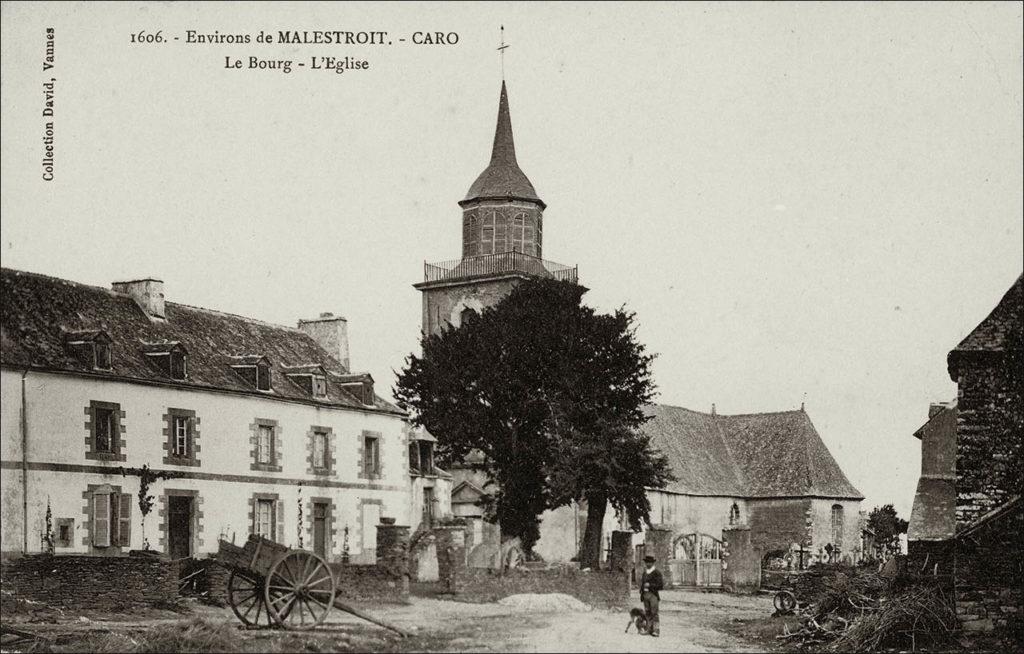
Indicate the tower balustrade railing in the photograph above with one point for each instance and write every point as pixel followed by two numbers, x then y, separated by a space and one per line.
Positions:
pixel 502 262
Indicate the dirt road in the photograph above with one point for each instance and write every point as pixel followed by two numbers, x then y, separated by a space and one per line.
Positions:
pixel 690 622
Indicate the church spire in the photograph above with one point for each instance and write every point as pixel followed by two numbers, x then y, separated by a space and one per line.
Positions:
pixel 504 149
pixel 503 179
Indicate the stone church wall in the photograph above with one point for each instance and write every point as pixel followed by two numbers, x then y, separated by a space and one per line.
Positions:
pixel 443 305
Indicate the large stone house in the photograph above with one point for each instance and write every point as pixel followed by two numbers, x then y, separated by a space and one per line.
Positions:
pixel 988 571
pixel 967 521
pixel 232 424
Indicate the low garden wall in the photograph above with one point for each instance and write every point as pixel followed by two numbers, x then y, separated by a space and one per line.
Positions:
pixel 94 583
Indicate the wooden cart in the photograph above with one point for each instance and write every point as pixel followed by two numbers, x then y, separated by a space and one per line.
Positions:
pixel 273 585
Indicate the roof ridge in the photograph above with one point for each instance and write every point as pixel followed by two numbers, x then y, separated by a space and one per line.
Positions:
pixel 759 413
pixel 676 406
pixel 69 282
pixel 228 314
pixel 728 415
pixel 113 293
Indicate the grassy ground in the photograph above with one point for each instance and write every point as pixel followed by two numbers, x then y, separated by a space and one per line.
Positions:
pixel 762 631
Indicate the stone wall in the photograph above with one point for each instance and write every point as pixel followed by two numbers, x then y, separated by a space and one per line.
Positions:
pixel 776 524
pixel 92 583
pixel 989 577
pixel 599 589
pixel 741 561
pixel 924 555
pixel 443 305
pixel 369 583
pixel 990 424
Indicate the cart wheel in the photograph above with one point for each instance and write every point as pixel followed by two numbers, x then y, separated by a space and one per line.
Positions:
pixel 784 601
pixel 245 595
pixel 299 590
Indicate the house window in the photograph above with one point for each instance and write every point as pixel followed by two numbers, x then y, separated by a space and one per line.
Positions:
pixel 466 315
pixel 179 366
pixel 64 536
pixel 429 503
pixel 263 377
pixel 265 445
pixel 104 439
pixel 181 435
pixel 106 430
pixel 319 386
pixel 414 456
pixel 371 456
pixel 320 445
pixel 182 445
pixel 421 457
pixel 264 519
pixel 111 517
pixel 102 351
pixel 734 514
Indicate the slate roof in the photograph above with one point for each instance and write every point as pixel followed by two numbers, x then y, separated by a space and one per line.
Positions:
pixel 934 514
pixel 1001 330
pixel 752 455
pixel 503 178
pixel 38 310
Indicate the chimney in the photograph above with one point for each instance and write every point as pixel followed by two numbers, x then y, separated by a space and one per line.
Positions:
pixel 331 333
pixel 714 411
pixel 148 293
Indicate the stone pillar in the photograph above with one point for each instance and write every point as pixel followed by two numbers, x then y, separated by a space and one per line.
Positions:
pixel 451 557
pixel 393 554
pixel 658 543
pixel 741 561
pixel 622 546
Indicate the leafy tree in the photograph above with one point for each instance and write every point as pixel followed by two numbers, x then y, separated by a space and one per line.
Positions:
pixel 550 393
pixel 887 527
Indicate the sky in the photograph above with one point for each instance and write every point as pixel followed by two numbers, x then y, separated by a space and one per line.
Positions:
pixel 804 203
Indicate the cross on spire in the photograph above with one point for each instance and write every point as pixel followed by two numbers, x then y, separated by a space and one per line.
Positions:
pixel 501 49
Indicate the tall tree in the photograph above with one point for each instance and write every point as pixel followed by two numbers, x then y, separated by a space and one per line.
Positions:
pixel 551 394
pixel 887 527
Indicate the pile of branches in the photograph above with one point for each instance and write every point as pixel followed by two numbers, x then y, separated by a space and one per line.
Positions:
pixel 856 611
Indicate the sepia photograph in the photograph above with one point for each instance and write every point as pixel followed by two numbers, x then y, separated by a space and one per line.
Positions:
pixel 511 327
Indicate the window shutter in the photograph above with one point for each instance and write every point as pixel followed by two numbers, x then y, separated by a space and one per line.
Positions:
pixel 376 456
pixel 115 517
pixel 101 520
pixel 124 531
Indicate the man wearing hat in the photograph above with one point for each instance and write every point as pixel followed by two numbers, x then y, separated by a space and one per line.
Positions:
pixel 650 583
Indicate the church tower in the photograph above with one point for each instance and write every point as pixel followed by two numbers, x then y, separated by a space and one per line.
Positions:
pixel 502 228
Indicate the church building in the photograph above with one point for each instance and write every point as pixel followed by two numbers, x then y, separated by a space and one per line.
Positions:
pixel 768 472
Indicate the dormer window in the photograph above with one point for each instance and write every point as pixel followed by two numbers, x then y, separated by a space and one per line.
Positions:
pixel 319 386
pixel 421 455
pixel 360 385
pixel 170 357
pixel 90 347
pixel 311 378
pixel 102 351
pixel 263 376
pixel 254 369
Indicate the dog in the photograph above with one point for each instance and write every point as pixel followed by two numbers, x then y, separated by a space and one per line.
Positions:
pixel 637 617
